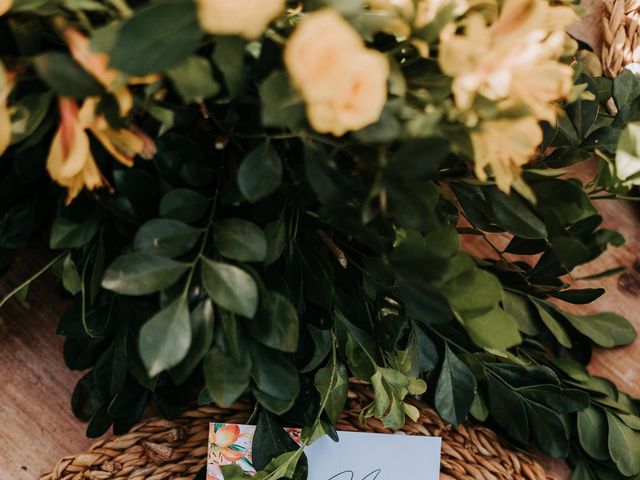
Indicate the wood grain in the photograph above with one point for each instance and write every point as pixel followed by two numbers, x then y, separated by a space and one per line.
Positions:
pixel 38 427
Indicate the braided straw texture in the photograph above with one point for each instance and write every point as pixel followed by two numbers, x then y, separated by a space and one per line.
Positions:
pixel 621 35
pixel 158 449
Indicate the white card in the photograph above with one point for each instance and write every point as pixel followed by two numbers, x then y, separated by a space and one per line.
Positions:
pixel 373 456
pixel 357 456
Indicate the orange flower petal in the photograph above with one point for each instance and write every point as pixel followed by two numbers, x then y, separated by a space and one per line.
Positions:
pixel 94 63
pixel 70 147
pixel 232 455
pixel 227 435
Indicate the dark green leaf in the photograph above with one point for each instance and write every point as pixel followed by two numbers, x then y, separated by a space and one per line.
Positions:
pixel 281 104
pixel 624 445
pixel 321 346
pixel 579 296
pixel 66 77
pixel 560 400
pixel 165 339
pixel 552 324
pixel 626 87
pixel 67 234
pixel 270 440
pixel 166 237
pixel 508 410
pixel 455 390
pixel 513 214
pixel 184 205
pixel 277 325
pixel 421 352
pixel 174 150
pixel 605 329
pixel 202 323
pixel 156 37
pixel 276 379
pixel 473 293
pixel 332 382
pixel 426 303
pixel 230 287
pixel 193 79
pixel 494 329
pixel 229 58
pixel 70 277
pixel 226 377
pixel 142 274
pixel 549 430
pixel 520 308
pixel 604 139
pixel 240 240
pixel 260 173
pixel 99 424
pixel 276 236
pixel 583 113
pixel 593 432
pixel 419 158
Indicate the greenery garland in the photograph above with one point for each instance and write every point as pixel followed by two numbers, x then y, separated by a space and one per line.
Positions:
pixel 291 185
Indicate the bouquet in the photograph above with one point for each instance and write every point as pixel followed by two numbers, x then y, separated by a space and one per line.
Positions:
pixel 265 198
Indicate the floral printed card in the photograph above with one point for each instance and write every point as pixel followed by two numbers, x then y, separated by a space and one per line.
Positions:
pixel 358 456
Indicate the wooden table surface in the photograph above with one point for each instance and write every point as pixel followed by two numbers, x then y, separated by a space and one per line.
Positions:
pixel 38 428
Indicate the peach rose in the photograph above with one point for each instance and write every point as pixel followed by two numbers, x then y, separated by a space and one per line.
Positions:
pixel 319 52
pixel 343 83
pixel 247 18
pixel 5 6
pixel 359 102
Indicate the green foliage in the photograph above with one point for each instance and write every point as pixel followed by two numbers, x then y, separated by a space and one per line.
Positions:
pixel 158 37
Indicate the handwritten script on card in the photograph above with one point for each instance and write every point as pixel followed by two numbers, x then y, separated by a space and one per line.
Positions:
pixel 358 456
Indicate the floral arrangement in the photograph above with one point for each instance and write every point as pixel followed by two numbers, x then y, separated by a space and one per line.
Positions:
pixel 265 198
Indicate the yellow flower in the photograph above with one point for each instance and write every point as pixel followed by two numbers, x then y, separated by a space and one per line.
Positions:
pixel 514 60
pixel 247 18
pixel 505 145
pixel 514 63
pixel 97 64
pixel 343 83
pixel 70 162
pixel 6 85
pixel 5 6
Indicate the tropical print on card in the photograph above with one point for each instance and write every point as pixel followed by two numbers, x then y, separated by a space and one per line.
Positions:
pixel 231 444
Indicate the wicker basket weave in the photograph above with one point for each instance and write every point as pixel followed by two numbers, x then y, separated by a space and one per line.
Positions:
pixel 158 449
pixel 621 35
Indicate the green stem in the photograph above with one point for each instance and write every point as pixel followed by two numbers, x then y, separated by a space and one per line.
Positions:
pixel 616 197
pixel 16 290
pixel 203 244
pixel 83 294
pixel 323 404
